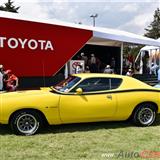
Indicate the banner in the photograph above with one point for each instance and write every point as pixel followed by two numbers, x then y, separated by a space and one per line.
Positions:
pixel 73 65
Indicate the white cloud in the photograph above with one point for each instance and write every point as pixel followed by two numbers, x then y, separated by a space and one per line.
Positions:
pixel 131 7
pixel 33 10
pixel 141 19
pixel 29 8
pixel 138 24
pixel 121 14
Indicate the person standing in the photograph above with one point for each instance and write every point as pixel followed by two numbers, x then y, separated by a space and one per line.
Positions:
pixel 145 59
pixel 153 69
pixel 93 65
pixel 159 75
pixel 84 58
pixel 1 77
pixel 113 63
pixel 129 73
pixel 79 69
pixel 108 69
pixel 87 70
pixel 11 81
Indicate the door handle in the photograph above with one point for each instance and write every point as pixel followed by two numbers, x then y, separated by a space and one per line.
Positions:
pixel 109 96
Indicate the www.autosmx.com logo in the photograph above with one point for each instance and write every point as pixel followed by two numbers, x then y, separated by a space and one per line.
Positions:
pixel 146 154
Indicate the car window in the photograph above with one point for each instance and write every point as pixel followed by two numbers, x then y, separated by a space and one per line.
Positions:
pixel 98 84
pixel 66 84
pixel 115 83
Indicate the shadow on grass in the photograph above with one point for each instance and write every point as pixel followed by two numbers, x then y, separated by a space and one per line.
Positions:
pixel 4 129
pixel 80 127
pixel 92 126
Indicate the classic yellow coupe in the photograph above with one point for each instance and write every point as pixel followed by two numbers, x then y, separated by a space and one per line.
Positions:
pixel 81 98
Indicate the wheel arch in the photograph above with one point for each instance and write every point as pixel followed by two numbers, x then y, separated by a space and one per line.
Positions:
pixel 149 102
pixel 30 109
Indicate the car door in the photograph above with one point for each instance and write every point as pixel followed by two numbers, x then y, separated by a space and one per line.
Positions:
pixel 97 102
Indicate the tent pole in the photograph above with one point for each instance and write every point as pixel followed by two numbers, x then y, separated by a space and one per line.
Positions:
pixel 66 71
pixel 121 71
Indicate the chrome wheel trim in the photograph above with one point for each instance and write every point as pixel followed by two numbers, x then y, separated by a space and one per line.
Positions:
pixel 146 116
pixel 27 124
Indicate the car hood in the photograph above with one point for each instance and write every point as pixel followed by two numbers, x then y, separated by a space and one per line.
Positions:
pixel 46 88
pixel 31 98
pixel 25 93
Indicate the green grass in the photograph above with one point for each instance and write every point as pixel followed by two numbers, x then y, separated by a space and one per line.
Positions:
pixel 80 141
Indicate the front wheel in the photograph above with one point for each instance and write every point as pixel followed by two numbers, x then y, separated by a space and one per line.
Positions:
pixel 25 122
pixel 145 115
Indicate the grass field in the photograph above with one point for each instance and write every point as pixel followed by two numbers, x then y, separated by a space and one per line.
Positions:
pixel 97 141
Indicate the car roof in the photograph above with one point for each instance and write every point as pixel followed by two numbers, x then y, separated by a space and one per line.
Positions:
pixel 90 75
pixel 128 82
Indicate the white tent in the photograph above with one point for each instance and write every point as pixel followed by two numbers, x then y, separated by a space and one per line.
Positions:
pixel 149 48
pixel 101 36
pixel 154 58
pixel 104 35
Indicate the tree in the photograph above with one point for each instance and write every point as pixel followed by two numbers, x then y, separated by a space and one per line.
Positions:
pixel 153 30
pixel 9 7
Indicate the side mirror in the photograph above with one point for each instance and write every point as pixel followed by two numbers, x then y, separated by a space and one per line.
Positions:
pixel 79 91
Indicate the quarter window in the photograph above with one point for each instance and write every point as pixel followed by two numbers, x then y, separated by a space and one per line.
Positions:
pixel 115 83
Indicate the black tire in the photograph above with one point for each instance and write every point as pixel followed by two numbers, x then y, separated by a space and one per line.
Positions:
pixel 25 122
pixel 144 115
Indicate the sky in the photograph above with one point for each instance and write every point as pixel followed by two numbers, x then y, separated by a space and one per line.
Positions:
pixel 128 15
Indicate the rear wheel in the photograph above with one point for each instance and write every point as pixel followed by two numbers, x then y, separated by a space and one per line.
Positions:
pixel 145 114
pixel 25 122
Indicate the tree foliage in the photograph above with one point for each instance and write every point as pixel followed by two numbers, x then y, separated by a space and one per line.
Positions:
pixel 153 30
pixel 9 7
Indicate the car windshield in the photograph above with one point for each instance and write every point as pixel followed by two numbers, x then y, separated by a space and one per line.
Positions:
pixel 66 84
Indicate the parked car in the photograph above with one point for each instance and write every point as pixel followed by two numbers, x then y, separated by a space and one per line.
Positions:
pixel 81 98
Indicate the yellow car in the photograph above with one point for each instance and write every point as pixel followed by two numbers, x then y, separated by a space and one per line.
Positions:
pixel 81 98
